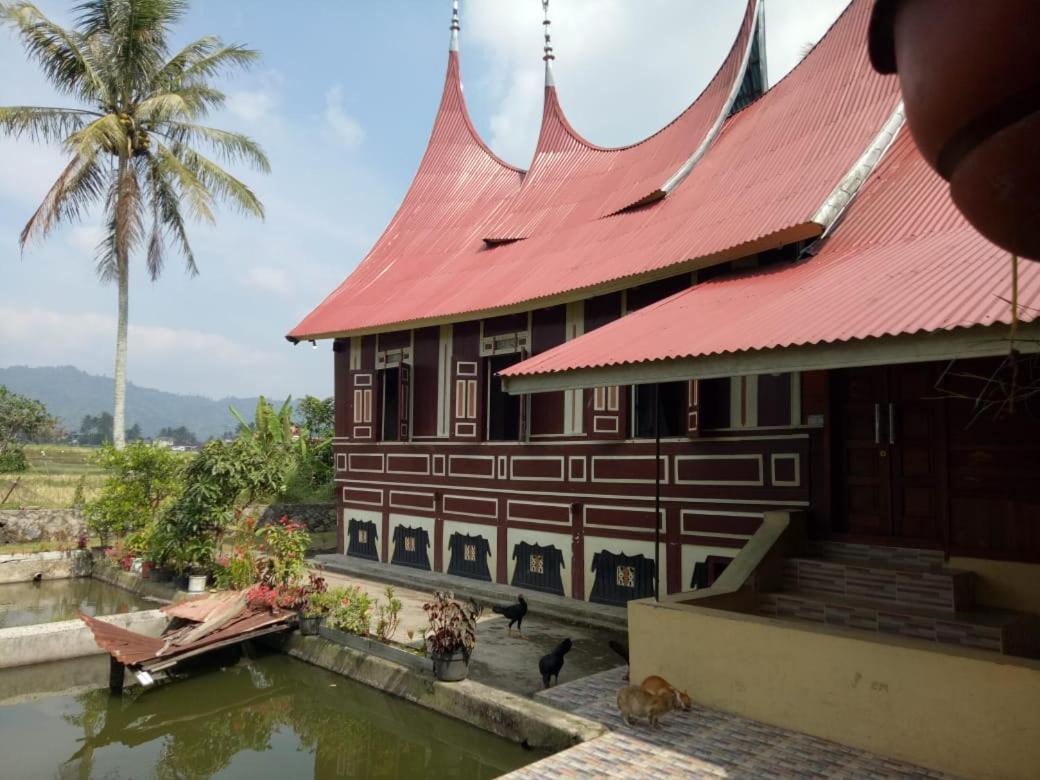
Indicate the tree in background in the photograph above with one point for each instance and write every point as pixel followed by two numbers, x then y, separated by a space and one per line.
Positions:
pixel 179 436
pixel 133 142
pixel 95 430
pixel 22 419
pixel 134 433
pixel 316 416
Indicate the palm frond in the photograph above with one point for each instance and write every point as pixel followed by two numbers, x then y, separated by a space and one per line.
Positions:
pixel 167 219
pixel 219 182
pixel 183 103
pixel 125 221
pixel 107 133
pixel 41 123
pixel 79 186
pixel 189 186
pixel 69 64
pixel 215 63
pixel 231 147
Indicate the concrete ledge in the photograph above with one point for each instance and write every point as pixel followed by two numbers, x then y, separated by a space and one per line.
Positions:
pixel 54 565
pixel 508 715
pixel 968 712
pixel 579 613
pixel 157 591
pixel 26 645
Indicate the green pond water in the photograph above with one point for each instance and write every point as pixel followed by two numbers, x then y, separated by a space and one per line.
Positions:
pixel 28 603
pixel 268 717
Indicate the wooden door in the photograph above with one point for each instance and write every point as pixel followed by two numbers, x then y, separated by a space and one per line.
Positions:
pixel 915 429
pixel 863 482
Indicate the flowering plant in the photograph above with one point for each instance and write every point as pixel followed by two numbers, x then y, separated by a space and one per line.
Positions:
pixel 285 544
pixel 453 626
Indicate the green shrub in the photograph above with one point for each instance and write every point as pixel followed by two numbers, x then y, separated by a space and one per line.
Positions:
pixel 13 460
pixel 349 610
pixel 140 481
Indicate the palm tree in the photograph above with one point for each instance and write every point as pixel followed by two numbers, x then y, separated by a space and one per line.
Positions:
pixel 133 144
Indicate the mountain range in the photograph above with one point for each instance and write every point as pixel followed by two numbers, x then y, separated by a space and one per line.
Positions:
pixel 70 394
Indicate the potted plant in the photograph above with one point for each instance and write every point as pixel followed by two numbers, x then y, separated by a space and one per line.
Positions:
pixel 450 637
pixel 197 557
pixel 312 605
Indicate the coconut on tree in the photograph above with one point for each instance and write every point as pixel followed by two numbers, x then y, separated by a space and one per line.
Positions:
pixel 136 141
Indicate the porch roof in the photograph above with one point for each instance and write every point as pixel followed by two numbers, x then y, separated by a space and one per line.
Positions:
pixel 901 263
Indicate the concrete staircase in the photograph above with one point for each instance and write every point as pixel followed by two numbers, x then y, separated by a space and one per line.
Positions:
pixel 901 591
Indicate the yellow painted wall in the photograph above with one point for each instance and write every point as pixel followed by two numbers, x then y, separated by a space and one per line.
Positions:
pixel 1005 584
pixel 955 710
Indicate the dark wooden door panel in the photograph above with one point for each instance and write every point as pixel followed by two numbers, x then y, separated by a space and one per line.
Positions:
pixel 863 475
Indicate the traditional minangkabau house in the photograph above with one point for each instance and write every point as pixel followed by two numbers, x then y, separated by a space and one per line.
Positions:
pixel 839 496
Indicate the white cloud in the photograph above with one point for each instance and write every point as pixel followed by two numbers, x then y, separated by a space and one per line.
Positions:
pixel 251 105
pixel 274 281
pixel 346 128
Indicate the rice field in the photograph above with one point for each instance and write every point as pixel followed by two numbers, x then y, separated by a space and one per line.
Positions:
pixel 54 472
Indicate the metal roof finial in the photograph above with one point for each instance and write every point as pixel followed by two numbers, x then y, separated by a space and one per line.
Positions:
pixel 454 45
pixel 548 56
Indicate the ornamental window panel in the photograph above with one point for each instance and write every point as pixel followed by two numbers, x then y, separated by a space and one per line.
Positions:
pixel 362 536
pixel 469 552
pixel 537 565
pixel 409 544
pixel 626 576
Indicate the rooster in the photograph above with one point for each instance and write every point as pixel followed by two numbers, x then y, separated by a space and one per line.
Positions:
pixel 514 613
pixel 551 664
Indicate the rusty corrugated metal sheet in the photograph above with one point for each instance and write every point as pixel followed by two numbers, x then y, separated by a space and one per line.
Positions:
pixel 902 261
pixel 771 168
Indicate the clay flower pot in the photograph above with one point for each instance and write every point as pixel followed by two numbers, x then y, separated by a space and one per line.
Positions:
pixel 450 667
pixel 971 85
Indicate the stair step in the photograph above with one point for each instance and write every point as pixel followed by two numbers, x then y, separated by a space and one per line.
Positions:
pixel 1011 633
pixel 950 590
pixel 871 554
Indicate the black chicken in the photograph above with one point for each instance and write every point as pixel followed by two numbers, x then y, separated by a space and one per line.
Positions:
pixel 551 664
pixel 514 613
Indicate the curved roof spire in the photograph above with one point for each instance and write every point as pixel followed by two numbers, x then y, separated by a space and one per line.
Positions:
pixel 548 55
pixel 454 45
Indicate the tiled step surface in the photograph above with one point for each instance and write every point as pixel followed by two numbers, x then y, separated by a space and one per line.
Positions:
pixel 1002 632
pixel 871 554
pixel 891 584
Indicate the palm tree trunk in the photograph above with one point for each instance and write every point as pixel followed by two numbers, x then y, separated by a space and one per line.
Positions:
pixel 119 405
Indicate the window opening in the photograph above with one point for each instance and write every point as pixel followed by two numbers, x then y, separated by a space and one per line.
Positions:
pixel 391 404
pixel 503 422
pixel 671 414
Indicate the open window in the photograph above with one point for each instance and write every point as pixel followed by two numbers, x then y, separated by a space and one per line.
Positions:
pixel 672 408
pixel 505 412
pixel 714 403
pixel 394 375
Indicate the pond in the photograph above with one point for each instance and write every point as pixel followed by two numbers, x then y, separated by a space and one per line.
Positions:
pixel 29 603
pixel 271 716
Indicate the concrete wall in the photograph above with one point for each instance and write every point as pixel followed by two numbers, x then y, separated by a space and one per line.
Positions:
pixel 36 525
pixel 25 645
pixel 958 710
pixel 22 567
pixel 1004 584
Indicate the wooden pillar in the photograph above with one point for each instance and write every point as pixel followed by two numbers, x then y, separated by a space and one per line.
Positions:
pixel 674 550
pixel 438 532
pixel 116 672
pixel 577 554
pixel 502 547
pixel 386 536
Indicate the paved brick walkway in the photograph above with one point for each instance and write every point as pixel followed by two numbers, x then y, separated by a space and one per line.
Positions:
pixel 700 744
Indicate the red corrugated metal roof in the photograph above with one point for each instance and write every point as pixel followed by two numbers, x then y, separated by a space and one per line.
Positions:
pixel 902 261
pixel 771 168
pixel 572 180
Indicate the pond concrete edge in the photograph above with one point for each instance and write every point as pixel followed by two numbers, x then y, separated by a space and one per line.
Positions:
pixel 505 714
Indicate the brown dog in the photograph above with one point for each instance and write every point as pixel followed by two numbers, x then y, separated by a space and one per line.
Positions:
pixel 657 684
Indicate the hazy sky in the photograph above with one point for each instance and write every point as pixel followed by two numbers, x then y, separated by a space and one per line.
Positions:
pixel 343 102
